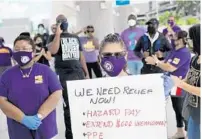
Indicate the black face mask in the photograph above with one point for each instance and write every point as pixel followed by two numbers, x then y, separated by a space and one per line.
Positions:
pixel 39 44
pixel 64 26
pixel 151 30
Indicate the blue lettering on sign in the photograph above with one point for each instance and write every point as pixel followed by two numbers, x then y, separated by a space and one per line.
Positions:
pixel 132 41
pixel 122 2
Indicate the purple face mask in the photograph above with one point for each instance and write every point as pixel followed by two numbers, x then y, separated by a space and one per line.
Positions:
pixel 22 57
pixel 113 65
pixel 171 23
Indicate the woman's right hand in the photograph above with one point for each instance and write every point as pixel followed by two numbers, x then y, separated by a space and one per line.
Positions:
pixel 31 122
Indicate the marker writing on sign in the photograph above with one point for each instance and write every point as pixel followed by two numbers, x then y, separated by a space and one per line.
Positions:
pixel 111 91
pixel 93 135
pixel 108 95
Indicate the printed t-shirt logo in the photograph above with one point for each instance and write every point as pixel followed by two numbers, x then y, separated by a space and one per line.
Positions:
pixel 38 79
pixel 4 51
pixel 176 61
pixel 108 66
pixel 132 41
pixel 24 59
pixel 70 48
pixel 89 46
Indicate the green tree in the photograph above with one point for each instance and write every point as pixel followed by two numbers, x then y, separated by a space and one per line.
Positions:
pixel 190 7
pixel 192 20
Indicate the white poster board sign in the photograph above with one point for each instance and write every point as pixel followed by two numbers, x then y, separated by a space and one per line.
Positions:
pixel 131 107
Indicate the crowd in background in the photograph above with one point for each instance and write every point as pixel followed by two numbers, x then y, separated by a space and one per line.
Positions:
pixel 131 52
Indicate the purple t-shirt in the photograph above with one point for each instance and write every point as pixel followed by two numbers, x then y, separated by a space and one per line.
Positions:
pixel 28 94
pixel 130 38
pixel 89 49
pixel 5 56
pixel 181 60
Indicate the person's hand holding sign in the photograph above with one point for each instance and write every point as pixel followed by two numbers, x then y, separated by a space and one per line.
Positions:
pixel 177 81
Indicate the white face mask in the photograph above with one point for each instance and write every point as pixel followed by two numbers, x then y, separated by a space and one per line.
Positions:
pixel 131 22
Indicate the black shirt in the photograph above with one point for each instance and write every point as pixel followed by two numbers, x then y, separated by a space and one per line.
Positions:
pixel 43 60
pixel 193 78
pixel 68 55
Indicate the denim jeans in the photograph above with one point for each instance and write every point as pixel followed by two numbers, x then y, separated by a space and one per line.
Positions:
pixel 193 129
pixel 135 67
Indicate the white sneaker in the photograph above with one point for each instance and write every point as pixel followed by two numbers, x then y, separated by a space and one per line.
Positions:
pixel 179 135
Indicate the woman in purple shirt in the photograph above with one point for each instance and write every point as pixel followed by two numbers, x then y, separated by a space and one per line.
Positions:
pixel 177 63
pixel 5 56
pixel 29 93
pixel 192 86
pixel 90 46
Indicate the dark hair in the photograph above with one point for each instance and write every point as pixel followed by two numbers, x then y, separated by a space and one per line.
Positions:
pixel 2 40
pixel 41 25
pixel 132 16
pixel 183 35
pixel 25 38
pixel 111 38
pixel 25 34
pixel 195 36
pixel 38 36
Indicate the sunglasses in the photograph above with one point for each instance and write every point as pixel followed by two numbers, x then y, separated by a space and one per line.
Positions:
pixel 116 54
pixel 90 31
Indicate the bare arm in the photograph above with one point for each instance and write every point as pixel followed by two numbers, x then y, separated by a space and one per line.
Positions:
pixel 166 66
pixel 36 59
pixel 10 110
pixel 96 44
pixel 80 31
pixel 191 89
pixel 47 55
pixel 83 63
pixel 185 86
pixel 50 104
pixel 55 44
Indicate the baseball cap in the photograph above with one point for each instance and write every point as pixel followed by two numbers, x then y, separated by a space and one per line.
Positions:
pixel 152 21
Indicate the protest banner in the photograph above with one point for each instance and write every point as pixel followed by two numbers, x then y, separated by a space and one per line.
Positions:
pixel 131 107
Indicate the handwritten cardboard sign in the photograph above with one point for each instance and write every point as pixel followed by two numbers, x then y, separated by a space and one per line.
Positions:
pixel 131 107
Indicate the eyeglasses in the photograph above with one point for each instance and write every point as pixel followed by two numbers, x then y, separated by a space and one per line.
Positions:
pixel 116 54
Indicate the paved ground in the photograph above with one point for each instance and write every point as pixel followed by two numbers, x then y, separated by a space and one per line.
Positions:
pixel 61 128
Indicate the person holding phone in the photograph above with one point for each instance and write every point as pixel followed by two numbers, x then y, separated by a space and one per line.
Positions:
pixel 177 63
pixel 43 56
pixel 70 63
